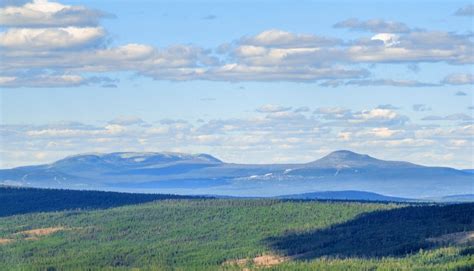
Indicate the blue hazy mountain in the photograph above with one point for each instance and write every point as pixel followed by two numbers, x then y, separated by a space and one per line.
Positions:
pixel 455 198
pixel 204 174
pixel 343 195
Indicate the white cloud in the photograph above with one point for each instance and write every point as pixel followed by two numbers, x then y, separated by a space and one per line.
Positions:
pixel 263 137
pixel 49 38
pixel 332 113
pixel 416 47
pixel 65 42
pixel 42 13
pixel 4 80
pixel 377 113
pixel 383 132
pixel 399 54
pixel 378 117
pixel 388 39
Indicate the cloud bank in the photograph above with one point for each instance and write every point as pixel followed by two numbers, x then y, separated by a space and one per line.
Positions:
pixel 42 39
pixel 273 133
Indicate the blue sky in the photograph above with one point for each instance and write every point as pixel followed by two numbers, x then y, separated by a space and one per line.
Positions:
pixel 246 81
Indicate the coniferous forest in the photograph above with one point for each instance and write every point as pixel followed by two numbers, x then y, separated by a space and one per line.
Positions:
pixel 171 233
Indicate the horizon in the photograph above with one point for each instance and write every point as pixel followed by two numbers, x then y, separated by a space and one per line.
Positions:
pixel 289 83
pixel 231 162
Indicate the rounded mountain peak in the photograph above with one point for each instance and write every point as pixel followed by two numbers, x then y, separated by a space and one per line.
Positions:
pixel 349 159
pixel 121 160
pixel 345 154
pixel 345 159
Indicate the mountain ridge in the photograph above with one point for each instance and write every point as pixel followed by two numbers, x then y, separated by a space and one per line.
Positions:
pixel 344 195
pixel 180 173
pixel 334 156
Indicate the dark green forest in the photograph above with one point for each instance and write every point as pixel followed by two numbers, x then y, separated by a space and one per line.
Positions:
pixel 395 232
pixel 16 200
pixel 233 234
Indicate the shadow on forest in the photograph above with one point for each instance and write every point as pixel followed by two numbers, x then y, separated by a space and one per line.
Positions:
pixel 15 201
pixel 395 232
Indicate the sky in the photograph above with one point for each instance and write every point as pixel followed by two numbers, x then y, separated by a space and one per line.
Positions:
pixel 245 81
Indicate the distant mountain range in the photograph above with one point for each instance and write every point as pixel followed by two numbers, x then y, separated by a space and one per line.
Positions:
pixel 201 174
pixel 344 195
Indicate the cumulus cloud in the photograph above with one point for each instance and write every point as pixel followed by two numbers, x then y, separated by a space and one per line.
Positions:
pixel 460 93
pixel 68 40
pixel 375 134
pixel 42 13
pixel 342 117
pixel 333 113
pixel 374 25
pixel 259 138
pixel 378 117
pixel 414 47
pixel 50 38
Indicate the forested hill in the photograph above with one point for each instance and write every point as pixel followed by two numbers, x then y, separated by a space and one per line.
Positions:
pixel 16 200
pixel 238 234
